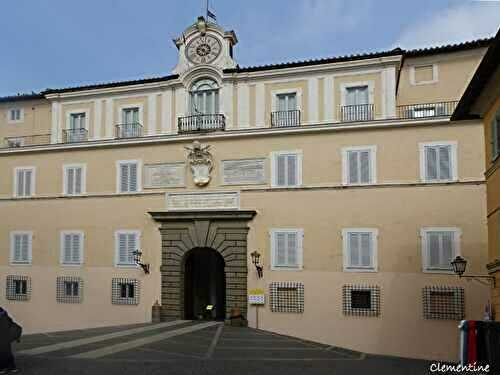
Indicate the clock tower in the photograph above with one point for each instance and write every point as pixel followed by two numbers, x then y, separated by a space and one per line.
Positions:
pixel 205 44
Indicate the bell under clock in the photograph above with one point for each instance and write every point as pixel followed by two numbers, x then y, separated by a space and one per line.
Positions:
pixel 203 49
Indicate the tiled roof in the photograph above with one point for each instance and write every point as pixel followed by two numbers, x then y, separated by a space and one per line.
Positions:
pixel 478 43
pixel 20 97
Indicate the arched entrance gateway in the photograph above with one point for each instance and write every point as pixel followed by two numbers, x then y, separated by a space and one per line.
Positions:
pixel 204 261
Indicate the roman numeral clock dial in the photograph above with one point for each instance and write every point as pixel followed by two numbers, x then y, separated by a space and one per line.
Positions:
pixel 203 50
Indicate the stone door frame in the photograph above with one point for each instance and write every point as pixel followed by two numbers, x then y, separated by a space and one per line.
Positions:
pixel 223 231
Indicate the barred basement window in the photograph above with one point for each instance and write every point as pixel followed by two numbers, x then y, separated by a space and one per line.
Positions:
pixel 69 289
pixel 361 300
pixel 18 288
pixel 287 297
pixel 125 291
pixel 442 302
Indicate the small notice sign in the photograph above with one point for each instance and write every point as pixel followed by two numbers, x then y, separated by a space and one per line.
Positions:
pixel 256 297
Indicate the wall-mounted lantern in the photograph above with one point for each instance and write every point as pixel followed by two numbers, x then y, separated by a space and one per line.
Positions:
pixel 459 265
pixel 138 260
pixel 256 262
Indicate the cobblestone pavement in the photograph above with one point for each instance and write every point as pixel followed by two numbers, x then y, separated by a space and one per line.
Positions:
pixel 184 347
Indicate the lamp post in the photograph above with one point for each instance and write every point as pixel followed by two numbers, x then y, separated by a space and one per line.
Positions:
pixel 138 260
pixel 256 262
pixel 459 265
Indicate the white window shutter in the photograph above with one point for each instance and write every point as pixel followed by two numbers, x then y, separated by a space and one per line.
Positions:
pixel 446 249
pixel 431 159
pixel 17 248
pixel 28 175
pixel 67 251
pixel 353 167
pixel 133 177
pixel 354 253
pixel 122 248
pixel 434 248
pixel 131 247
pixel 292 249
pixel 20 183
pixel 70 180
pixel 78 180
pixel 444 162
pixel 365 250
pixel 364 162
pixel 292 170
pixel 124 178
pixel 280 243
pixel 281 170
pixel 76 245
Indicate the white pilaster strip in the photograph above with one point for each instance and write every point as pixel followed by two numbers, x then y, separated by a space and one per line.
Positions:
pixel 166 111
pixel 312 84
pixel 151 114
pixel 329 99
pixel 226 103
pixel 260 107
pixel 55 130
pixel 109 119
pixel 390 84
pixel 97 118
pixel 243 106
pixel 180 104
pixel 383 100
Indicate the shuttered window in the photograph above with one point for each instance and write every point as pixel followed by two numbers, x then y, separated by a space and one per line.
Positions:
pixel 360 249
pixel 356 95
pixel 440 247
pixel 25 182
pixel 126 243
pixel 438 162
pixel 74 177
pixel 286 245
pixel 71 248
pixel 287 169
pixel 359 165
pixel 21 243
pixel 128 179
pixel 495 136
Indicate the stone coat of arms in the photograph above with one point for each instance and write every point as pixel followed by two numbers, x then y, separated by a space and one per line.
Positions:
pixel 200 161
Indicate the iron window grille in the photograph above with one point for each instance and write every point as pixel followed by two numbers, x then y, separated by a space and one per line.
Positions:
pixel 18 288
pixel 125 291
pixel 287 297
pixel 69 289
pixel 444 302
pixel 361 300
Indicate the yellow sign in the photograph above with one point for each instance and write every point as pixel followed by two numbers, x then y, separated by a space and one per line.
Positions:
pixel 256 297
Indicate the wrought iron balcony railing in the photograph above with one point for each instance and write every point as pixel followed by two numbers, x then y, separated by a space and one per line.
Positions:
pixel 132 130
pixel 360 112
pixel 75 135
pixel 426 110
pixel 201 123
pixel 26 140
pixel 285 119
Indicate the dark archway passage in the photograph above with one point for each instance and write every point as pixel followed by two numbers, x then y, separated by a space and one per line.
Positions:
pixel 204 284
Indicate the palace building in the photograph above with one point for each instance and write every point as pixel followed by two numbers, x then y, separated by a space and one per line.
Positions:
pixel 346 175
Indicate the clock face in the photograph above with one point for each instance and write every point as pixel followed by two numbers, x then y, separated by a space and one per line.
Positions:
pixel 203 49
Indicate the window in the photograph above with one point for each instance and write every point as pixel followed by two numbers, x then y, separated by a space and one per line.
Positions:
pixel 359 165
pixel 356 95
pixel 286 248
pixel 130 115
pixel 360 249
pixel 20 247
pixel 439 247
pixel 126 242
pixel 125 291
pixel 24 185
pixel 357 101
pixel 204 97
pixel 129 178
pixel 286 169
pixel 18 288
pixel 131 123
pixel 423 74
pixel 15 115
pixel 286 102
pixel 69 289
pixel 287 297
pixel 71 247
pixel 74 179
pixel 361 300
pixel 77 121
pixel 443 302
pixel 438 161
pixel 495 136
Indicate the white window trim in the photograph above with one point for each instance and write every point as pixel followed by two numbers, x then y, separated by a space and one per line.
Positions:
pixel 345 86
pixel 117 246
pixel 30 248
pixel 76 111
pixel 131 106
pixel 300 248
pixel 274 176
pixel 65 180
pixel 453 160
pixel 61 247
pixel 33 181
pixel 373 164
pixel 345 249
pixel 274 97
pixel 21 115
pixel 457 235
pixel 435 74
pixel 139 176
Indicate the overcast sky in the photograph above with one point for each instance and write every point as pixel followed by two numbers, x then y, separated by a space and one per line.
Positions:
pixel 59 43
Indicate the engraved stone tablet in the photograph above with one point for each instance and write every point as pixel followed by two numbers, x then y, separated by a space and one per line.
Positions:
pixel 244 171
pixel 164 175
pixel 203 201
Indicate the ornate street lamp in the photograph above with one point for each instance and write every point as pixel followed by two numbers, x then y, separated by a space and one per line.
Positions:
pixel 459 265
pixel 256 262
pixel 138 260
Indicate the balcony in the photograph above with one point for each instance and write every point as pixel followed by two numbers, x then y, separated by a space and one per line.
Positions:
pixel 201 123
pixel 285 119
pixel 75 135
pixel 28 140
pixel 132 130
pixel 426 110
pixel 360 112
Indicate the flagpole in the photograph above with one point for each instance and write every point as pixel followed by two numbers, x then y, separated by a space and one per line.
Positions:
pixel 207 11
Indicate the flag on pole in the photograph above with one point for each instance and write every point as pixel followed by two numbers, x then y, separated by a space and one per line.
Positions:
pixel 211 15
